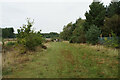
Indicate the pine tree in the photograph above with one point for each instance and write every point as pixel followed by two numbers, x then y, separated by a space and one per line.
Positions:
pixel 113 8
pixel 95 16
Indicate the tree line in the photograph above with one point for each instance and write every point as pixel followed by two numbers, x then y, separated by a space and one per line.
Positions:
pixel 50 35
pixel 7 32
pixel 100 20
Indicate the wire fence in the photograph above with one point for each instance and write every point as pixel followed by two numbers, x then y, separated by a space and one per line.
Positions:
pixel 102 40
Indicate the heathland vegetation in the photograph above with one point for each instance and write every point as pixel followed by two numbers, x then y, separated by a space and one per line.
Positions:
pixel 101 21
pixel 63 60
pixel 84 49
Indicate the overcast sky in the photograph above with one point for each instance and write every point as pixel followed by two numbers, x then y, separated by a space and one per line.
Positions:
pixel 49 15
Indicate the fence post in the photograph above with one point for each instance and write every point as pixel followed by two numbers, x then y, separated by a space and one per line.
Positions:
pixel 101 36
pixel 110 35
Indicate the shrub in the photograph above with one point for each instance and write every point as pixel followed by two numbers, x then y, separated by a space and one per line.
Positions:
pixel 6 71
pixel 113 42
pixel 92 34
pixel 28 37
pixel 77 39
pixel 32 41
pixel 10 43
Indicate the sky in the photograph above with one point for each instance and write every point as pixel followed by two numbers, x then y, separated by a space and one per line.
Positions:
pixel 48 15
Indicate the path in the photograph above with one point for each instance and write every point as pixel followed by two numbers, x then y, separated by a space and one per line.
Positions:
pixel 64 60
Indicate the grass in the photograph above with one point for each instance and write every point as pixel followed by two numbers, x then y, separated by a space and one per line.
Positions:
pixel 64 60
pixel 0 66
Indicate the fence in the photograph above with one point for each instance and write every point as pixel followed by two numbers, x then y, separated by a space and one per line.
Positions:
pixel 102 40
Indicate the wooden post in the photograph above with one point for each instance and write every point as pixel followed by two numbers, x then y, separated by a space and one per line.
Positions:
pixel 101 36
pixel 110 35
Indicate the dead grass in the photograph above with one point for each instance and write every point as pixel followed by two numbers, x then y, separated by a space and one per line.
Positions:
pixel 12 55
pixel 68 56
pixel 64 60
pixel 100 48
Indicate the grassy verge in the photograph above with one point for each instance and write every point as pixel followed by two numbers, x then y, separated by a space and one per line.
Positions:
pixel 64 60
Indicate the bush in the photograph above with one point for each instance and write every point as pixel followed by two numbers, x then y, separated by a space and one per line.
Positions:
pixel 6 71
pixel 28 37
pixel 32 41
pixel 92 34
pixel 113 42
pixel 10 43
pixel 77 39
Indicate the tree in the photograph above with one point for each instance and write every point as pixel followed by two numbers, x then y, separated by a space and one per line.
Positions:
pixel 11 32
pixel 113 8
pixel 8 33
pixel 78 35
pixel 95 16
pixel 50 35
pixel 0 34
pixel 67 31
pixel 79 23
pixel 92 34
pixel 112 25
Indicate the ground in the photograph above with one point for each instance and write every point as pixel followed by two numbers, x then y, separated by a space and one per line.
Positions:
pixel 65 60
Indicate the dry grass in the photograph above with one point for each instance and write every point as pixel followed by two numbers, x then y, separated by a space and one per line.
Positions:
pixel 12 56
pixel 100 48
pixel 68 56
pixel 64 60
pixel 9 40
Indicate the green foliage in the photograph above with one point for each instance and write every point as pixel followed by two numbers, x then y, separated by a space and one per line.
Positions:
pixel 79 22
pixel 112 24
pixel 0 34
pixel 8 33
pixel 33 40
pixel 92 34
pixel 78 35
pixel 28 37
pixel 113 42
pixel 112 19
pixel 68 60
pixel 95 16
pixel 68 30
pixel 6 71
pixel 10 43
pixel 113 8
pixel 50 35
pixel 73 39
